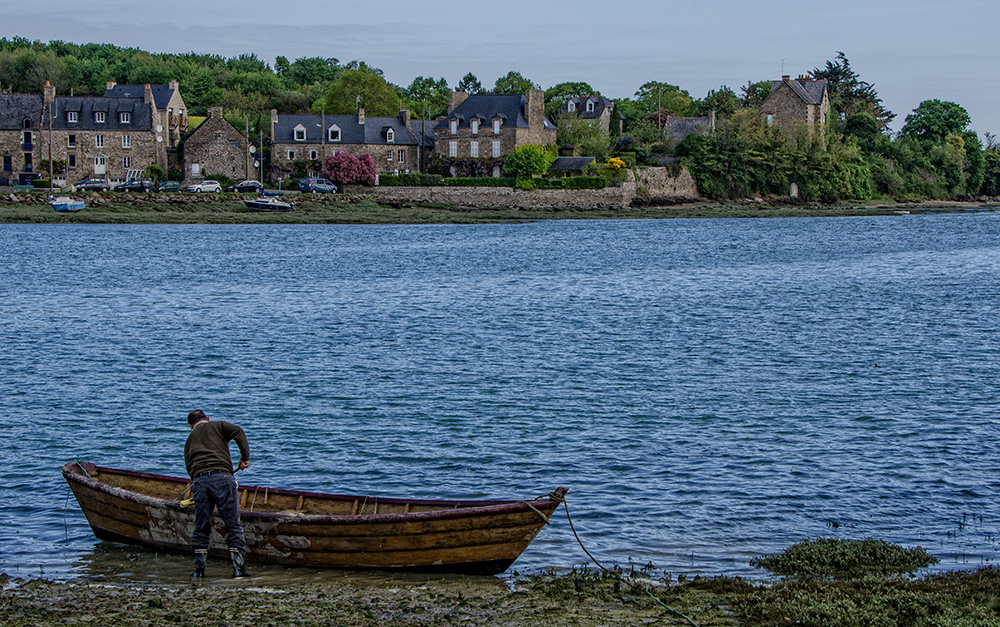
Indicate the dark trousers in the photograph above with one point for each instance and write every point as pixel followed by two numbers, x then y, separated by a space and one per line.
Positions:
pixel 216 489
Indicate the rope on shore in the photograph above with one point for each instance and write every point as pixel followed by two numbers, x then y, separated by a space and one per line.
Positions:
pixel 602 567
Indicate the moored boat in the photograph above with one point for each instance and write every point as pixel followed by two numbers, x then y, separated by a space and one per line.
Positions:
pixel 314 529
pixel 66 203
pixel 268 203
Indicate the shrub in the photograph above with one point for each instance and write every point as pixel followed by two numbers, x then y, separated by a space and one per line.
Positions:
pixel 829 558
pixel 41 183
pixel 412 179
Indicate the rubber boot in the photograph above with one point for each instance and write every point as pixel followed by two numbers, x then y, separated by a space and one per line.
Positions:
pixel 239 564
pixel 199 564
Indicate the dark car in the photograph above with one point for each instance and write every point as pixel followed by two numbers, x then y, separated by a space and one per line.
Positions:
pixel 93 185
pixel 316 186
pixel 136 185
pixel 168 186
pixel 247 186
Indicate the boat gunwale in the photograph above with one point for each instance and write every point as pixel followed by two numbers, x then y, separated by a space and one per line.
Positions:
pixel 74 471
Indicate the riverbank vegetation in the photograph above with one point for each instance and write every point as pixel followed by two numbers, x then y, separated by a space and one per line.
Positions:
pixel 935 154
pixel 871 586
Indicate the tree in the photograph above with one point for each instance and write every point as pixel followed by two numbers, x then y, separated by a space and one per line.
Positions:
pixel 662 99
pixel 557 95
pixel 362 86
pixel 849 94
pixel 864 127
pixel 527 161
pixel 469 84
pixel 345 168
pixel 755 93
pixel 933 120
pixel 724 102
pixel 430 92
pixel 513 83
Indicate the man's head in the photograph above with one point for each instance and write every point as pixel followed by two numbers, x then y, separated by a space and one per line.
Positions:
pixel 195 417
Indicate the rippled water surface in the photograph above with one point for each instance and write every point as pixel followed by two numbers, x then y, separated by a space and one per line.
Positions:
pixel 708 389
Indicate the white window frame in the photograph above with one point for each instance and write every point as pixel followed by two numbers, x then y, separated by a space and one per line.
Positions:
pixel 71 141
pixel 126 141
pixel 389 158
pixel 125 117
pixel 99 140
pixel 313 155
pixel 291 155
pixel 570 106
pixel 474 150
pixel 590 106
pixel 454 126
pixel 402 156
pixel 333 133
pixel 299 133
pixel 474 126
pixel 127 162
pixel 496 149
pixel 99 117
pixel 390 136
pixel 497 125
pixel 452 149
pixel 72 117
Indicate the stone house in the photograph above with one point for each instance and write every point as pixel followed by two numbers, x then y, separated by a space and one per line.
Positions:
pixel 396 144
pixel 96 136
pixel 172 113
pixel 20 124
pixel 592 108
pixel 491 126
pixel 800 100
pixel 214 148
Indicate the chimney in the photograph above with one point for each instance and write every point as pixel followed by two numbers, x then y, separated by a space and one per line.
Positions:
pixel 361 115
pixel 215 112
pixel 534 105
pixel 147 94
pixel 111 84
pixel 404 117
pixel 48 93
pixel 274 122
pixel 711 120
pixel 785 78
pixel 174 85
pixel 456 98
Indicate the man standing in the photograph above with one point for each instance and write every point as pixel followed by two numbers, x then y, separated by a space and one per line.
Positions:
pixel 206 457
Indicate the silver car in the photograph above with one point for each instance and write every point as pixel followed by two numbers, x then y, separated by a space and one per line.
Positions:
pixel 205 186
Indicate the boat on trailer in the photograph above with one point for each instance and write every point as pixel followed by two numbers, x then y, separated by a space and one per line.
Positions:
pixel 298 528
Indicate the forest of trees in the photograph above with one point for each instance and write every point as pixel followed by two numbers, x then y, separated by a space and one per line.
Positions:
pixel 934 154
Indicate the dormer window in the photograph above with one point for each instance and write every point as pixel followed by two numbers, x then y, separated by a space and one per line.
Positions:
pixel 474 125
pixel 300 133
pixel 390 136
pixel 71 117
pixel 590 106
pixel 99 117
pixel 570 106
pixel 333 133
pixel 454 126
pixel 125 117
pixel 497 123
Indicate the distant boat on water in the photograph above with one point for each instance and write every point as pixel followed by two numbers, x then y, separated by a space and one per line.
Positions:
pixel 66 203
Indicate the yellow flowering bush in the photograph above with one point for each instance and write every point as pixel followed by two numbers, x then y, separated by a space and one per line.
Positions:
pixel 614 164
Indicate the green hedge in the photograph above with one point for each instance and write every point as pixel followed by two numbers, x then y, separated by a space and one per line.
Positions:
pixel 481 181
pixel 413 179
pixel 41 183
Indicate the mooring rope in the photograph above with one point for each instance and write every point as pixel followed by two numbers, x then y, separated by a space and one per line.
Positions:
pixel 602 567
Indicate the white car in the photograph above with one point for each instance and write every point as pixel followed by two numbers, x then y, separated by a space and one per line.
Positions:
pixel 205 186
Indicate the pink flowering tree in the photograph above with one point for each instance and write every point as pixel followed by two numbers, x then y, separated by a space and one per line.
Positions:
pixel 344 168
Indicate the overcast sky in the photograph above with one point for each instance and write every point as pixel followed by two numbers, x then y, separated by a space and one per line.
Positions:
pixel 911 50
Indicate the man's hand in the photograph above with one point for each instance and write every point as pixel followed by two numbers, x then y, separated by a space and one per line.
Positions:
pixel 243 465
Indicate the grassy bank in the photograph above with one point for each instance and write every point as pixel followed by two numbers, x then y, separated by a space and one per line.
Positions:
pixel 229 209
pixel 582 598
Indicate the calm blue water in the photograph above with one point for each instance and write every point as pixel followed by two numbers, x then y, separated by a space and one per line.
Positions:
pixel 709 389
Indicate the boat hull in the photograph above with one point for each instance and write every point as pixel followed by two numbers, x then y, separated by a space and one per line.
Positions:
pixel 268 204
pixel 481 537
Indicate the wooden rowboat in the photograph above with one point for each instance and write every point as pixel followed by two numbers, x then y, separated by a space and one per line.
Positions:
pixel 311 529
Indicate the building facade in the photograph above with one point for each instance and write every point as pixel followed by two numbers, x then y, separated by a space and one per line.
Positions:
pixel 171 112
pixel 215 147
pixel 797 100
pixel 491 126
pixel 595 109
pixel 396 144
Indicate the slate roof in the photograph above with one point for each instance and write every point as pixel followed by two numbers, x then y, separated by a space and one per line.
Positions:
pixel 373 131
pixel 679 128
pixel 486 107
pixel 161 93
pixel 570 163
pixel 580 106
pixel 14 108
pixel 810 91
pixel 85 106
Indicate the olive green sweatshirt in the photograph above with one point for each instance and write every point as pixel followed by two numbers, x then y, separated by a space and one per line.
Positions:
pixel 207 447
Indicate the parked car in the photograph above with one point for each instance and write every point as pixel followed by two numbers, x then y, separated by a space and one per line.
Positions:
pixel 247 186
pixel 205 186
pixel 316 186
pixel 168 186
pixel 136 185
pixel 93 185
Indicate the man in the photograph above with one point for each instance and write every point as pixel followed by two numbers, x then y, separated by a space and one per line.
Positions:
pixel 206 457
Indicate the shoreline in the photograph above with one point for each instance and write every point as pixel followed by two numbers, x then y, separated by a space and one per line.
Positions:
pixel 227 208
